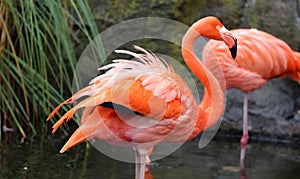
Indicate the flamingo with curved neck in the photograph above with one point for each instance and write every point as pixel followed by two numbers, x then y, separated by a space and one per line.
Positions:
pixel 147 92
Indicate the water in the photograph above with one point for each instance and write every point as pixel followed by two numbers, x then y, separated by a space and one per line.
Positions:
pixel 220 159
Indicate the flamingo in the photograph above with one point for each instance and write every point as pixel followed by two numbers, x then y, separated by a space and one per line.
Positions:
pixel 162 105
pixel 261 57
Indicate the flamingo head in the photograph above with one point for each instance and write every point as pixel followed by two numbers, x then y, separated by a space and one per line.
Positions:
pixel 211 27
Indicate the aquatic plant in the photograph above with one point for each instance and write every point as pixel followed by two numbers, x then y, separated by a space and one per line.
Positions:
pixel 37 58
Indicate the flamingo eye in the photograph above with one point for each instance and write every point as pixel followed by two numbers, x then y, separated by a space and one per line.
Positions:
pixel 218 27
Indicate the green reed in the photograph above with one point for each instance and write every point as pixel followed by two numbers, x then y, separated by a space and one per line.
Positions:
pixel 37 58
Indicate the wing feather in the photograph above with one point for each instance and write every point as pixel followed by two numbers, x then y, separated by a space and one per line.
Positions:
pixel 145 84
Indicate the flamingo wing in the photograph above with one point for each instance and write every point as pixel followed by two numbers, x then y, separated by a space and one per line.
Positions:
pixel 145 86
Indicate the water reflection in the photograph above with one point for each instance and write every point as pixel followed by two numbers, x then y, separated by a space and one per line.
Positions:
pixel 220 159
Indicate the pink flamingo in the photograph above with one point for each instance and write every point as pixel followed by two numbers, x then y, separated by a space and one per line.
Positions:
pixel 260 57
pixel 149 87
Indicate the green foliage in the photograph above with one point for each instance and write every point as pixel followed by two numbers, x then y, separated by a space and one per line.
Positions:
pixel 37 58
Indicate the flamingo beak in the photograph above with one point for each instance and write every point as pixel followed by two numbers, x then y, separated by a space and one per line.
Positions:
pixel 232 44
pixel 230 41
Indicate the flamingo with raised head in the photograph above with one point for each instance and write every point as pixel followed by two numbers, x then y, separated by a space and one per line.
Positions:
pixel 163 107
pixel 261 57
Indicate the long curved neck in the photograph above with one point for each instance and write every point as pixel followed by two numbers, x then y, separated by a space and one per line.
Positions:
pixel 211 107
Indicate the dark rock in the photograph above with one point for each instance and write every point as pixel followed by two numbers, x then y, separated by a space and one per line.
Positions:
pixel 271 110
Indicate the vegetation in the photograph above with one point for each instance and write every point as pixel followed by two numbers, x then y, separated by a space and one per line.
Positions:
pixel 37 58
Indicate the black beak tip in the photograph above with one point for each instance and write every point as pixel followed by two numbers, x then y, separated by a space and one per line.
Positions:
pixel 233 50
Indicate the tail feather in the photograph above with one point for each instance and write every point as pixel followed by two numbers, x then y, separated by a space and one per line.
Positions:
pixel 65 117
pixel 86 130
pixel 88 102
pixel 82 134
pixel 77 137
pixel 71 100
pixel 90 128
pixel 51 115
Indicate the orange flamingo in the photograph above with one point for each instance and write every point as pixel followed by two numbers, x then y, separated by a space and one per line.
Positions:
pixel 158 98
pixel 260 57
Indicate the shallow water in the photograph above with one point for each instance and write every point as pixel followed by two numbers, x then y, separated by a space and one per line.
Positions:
pixel 220 159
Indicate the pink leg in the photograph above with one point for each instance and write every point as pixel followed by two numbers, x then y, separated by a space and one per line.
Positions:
pixel 244 139
pixel 140 161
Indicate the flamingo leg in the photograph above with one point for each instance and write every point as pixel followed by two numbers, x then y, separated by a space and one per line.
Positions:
pixel 244 139
pixel 140 162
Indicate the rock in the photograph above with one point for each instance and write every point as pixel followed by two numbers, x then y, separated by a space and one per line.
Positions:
pixel 271 110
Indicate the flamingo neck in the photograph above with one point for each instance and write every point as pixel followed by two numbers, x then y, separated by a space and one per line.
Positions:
pixel 211 107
